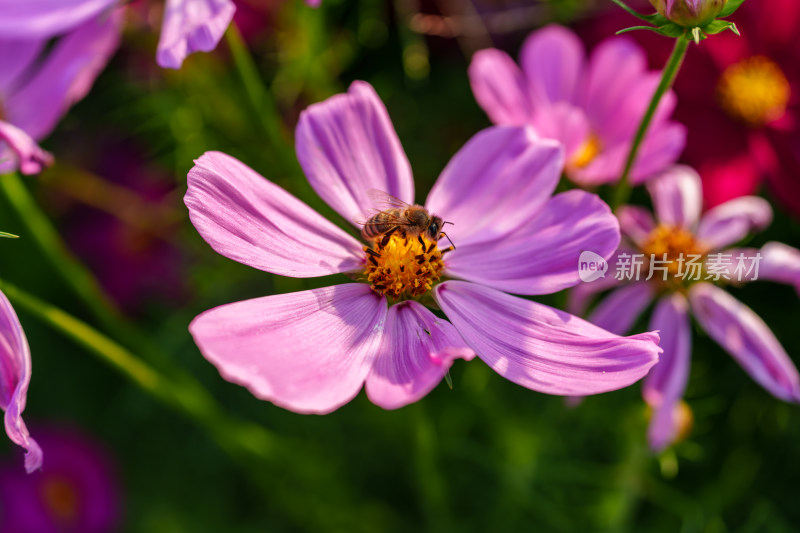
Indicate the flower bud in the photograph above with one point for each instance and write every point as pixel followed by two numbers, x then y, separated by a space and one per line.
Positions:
pixel 689 13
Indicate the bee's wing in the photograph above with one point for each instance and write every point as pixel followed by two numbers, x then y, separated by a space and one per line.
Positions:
pixel 383 200
pixel 387 219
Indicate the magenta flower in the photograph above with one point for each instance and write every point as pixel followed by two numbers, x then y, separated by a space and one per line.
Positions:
pixel 15 376
pixel 76 490
pixel 593 107
pixel 192 26
pixel 670 246
pixel 38 85
pixel 312 351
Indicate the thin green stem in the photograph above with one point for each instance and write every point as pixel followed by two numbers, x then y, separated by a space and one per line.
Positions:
pixel 623 190
pixel 260 98
pixel 184 396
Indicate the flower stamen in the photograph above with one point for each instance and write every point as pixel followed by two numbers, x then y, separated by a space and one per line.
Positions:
pixel 754 91
pixel 588 151
pixel 403 267
pixel 676 250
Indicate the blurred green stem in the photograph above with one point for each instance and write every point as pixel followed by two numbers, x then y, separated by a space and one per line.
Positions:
pixel 623 190
pixel 261 99
pixel 186 397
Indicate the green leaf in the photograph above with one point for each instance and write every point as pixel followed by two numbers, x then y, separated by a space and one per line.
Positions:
pixel 8 235
pixel 717 26
pixel 653 19
pixel 667 30
pixel 730 8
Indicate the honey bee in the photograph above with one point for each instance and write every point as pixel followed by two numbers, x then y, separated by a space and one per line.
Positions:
pixel 401 218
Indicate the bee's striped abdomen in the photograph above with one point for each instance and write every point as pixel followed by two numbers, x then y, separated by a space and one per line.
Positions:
pixel 380 223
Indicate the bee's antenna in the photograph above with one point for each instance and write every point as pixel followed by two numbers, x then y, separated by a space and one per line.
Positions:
pixel 447 222
pixel 452 246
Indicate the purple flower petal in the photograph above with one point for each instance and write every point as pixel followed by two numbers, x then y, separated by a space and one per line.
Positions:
pixel 636 223
pixel 553 60
pixel 249 219
pixel 15 376
pixel 666 382
pixel 747 338
pixel 417 350
pixel 780 263
pixel 347 146
pixel 192 26
pixel 619 310
pixel 660 149
pixel 308 352
pixel 37 19
pixel 16 56
pixel 677 196
pixel 542 256
pixel 733 221
pixel 496 183
pixel 64 76
pixel 542 348
pixel 500 88
pixel 18 150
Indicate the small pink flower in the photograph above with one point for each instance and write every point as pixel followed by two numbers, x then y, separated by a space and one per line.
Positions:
pixel 680 229
pixel 38 85
pixel 312 351
pixel 15 375
pixel 593 107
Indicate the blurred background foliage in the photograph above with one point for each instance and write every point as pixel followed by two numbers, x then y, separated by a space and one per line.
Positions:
pixel 485 456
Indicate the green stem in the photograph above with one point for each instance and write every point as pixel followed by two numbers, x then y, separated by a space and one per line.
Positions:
pixel 260 98
pixel 184 396
pixel 623 190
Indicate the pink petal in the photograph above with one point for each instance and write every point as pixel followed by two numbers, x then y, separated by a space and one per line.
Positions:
pixel 616 65
pixel 733 221
pixel 15 376
pixel 661 148
pixel 500 88
pixel 418 348
pixel 553 61
pixel 565 123
pixel 249 219
pixel 308 352
pixel 65 75
pixel 619 310
pixel 666 382
pixel 18 150
pixel 192 26
pixel 542 256
pixel 636 223
pixel 347 146
pixel 498 180
pixel 677 196
pixel 780 263
pixel 542 348
pixel 747 338
pixel 37 19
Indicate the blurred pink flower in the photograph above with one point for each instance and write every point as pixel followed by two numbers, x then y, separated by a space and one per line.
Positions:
pixel 593 107
pixel 15 376
pixel 75 491
pixel 38 84
pixel 679 229
pixel 312 351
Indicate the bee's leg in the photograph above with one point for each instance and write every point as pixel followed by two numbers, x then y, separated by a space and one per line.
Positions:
pixel 422 243
pixel 387 236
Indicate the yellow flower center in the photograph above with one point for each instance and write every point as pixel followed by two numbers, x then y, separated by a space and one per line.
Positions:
pixel 61 499
pixel 406 267
pixel 587 152
pixel 754 91
pixel 676 250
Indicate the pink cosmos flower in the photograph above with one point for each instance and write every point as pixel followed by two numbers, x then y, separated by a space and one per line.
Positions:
pixel 312 351
pixel 76 491
pixel 593 107
pixel 679 235
pixel 38 85
pixel 15 375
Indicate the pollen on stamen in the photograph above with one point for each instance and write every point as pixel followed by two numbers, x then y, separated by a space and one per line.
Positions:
pixel 754 91
pixel 679 246
pixel 403 268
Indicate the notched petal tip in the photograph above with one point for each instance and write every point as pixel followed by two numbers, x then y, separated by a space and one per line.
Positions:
pixel 30 158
